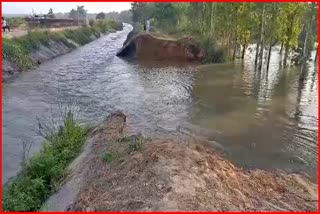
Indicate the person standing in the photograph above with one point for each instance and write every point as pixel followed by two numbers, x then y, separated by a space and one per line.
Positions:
pixel 4 24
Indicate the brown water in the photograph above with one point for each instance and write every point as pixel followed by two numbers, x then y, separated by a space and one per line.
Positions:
pixel 264 120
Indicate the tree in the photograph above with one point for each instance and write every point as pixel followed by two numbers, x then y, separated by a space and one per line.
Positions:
pixel 101 15
pixel 290 18
pixel 50 13
pixel 271 37
pixel 125 16
pixel 165 16
pixel 73 14
pixel 80 13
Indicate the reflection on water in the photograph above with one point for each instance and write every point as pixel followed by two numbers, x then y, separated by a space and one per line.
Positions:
pixel 262 119
pixel 265 119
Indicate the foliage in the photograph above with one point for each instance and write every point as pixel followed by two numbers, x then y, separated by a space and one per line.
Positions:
pixel 16 54
pixel 231 24
pixel 81 36
pixel 50 13
pixel 80 13
pixel 101 15
pixel 42 173
pixel 15 22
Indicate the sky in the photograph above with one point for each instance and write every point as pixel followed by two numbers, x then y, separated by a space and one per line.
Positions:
pixel 43 7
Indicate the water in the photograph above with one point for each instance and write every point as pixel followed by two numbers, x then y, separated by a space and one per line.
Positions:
pixel 262 120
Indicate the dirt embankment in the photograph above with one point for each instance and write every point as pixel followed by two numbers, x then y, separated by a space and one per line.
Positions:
pixel 147 46
pixel 18 32
pixel 136 174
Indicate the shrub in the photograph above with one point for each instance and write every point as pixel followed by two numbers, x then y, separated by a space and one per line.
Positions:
pixel 41 174
pixel 16 54
pixel 16 22
pixel 25 194
pixel 213 53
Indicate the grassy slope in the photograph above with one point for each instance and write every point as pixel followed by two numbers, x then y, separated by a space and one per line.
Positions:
pixel 18 50
pixel 41 175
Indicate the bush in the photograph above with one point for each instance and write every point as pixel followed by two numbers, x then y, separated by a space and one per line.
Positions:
pixel 25 194
pixel 16 53
pixel 42 173
pixel 91 22
pixel 213 54
pixel 14 22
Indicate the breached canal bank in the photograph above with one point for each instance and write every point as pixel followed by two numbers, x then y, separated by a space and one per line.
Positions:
pixel 117 172
pixel 113 158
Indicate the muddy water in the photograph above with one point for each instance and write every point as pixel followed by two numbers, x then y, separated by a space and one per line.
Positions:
pixel 263 120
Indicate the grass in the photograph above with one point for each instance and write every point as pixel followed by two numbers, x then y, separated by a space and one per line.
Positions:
pixel 125 146
pixel 16 54
pixel 82 35
pixel 18 50
pixel 41 174
pixel 16 22
pixel 111 156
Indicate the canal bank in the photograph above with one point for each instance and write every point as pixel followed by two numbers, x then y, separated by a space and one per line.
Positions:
pixel 38 46
pixel 160 99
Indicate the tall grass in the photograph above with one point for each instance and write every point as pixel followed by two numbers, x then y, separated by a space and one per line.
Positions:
pixel 41 174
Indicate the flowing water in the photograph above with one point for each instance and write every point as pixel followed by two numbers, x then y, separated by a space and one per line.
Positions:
pixel 261 119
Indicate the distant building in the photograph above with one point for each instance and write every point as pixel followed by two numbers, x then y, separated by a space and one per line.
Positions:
pixel 45 21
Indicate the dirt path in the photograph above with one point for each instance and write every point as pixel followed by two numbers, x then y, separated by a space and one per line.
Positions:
pixel 17 32
pixel 180 174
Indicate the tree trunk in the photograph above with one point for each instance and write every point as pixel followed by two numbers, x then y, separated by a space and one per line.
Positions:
pixel 269 57
pixel 261 55
pixel 281 48
pixel 257 55
pixel 306 53
pixel 261 39
pixel 286 53
pixel 316 57
pixel 234 51
pixel 243 51
pixel 269 53
pixel 212 17
pixel 305 48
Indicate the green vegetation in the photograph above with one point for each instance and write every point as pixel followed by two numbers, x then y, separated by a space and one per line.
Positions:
pixel 126 145
pixel 16 54
pixel 15 22
pixel 233 26
pixel 104 26
pixel 18 50
pixel 82 35
pixel 41 174
pixel 111 156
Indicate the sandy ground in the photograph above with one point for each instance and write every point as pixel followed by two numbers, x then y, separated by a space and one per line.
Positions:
pixel 181 174
pixel 17 32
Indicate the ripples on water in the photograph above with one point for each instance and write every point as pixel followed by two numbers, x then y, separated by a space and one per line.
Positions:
pixel 264 119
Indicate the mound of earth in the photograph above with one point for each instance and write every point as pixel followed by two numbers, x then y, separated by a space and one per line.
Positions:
pixel 148 46
pixel 132 173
